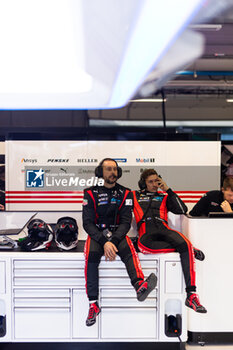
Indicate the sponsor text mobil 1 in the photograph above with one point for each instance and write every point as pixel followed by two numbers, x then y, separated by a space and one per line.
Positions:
pixel 145 160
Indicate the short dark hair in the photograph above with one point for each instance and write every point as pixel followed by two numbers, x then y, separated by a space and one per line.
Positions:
pixel 107 159
pixel 228 183
pixel 146 173
pixel 99 168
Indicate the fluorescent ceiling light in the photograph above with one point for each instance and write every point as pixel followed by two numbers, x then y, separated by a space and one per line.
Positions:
pixel 83 54
pixel 206 27
pixel 158 123
pixel 39 49
pixel 149 100
pixel 229 100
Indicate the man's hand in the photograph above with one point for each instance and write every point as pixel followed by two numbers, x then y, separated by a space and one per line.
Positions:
pixel 226 207
pixel 162 184
pixel 110 251
pixel 2 207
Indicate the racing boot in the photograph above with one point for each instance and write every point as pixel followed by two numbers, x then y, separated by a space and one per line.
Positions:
pixel 143 288
pixel 199 255
pixel 94 311
pixel 193 302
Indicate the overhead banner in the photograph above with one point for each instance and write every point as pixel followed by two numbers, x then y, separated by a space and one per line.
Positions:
pixel 51 175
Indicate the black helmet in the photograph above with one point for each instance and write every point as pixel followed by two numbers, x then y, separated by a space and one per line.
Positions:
pixel 40 236
pixel 66 233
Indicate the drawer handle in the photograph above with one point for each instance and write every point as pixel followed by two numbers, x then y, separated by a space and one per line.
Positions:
pixel 42 308
pixel 129 307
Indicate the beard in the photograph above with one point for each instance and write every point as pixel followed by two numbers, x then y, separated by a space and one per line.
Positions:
pixel 111 180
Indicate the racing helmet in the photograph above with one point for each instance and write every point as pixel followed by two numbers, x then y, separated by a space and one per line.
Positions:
pixel 66 233
pixel 40 236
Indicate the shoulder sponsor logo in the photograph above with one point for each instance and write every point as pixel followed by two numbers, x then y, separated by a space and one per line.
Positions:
pixel 214 204
pixel 145 160
pixel 87 160
pixel 27 160
pixel 35 178
pixel 85 202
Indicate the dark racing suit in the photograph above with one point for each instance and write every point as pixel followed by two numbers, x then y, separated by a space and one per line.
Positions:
pixel 155 236
pixel 210 202
pixel 110 209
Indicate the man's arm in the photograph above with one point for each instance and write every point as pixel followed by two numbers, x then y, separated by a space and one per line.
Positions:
pixel 175 204
pixel 89 217
pixel 125 218
pixel 201 207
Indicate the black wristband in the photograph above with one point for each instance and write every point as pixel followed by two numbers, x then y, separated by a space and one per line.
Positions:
pixel 103 240
pixel 115 241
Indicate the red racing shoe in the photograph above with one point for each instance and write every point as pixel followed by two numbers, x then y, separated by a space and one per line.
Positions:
pixel 144 288
pixel 193 302
pixel 94 311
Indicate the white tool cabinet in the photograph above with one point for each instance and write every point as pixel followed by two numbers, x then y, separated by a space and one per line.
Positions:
pixel 44 299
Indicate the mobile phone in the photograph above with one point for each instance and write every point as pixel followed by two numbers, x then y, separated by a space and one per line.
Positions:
pixel 160 177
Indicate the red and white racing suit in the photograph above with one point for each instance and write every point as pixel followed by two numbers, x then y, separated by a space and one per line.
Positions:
pixel 155 236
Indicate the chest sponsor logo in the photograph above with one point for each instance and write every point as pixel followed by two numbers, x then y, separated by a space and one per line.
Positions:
pixel 158 199
pixel 103 199
pixel 103 203
pixel 144 199
pixel 128 202
pixel 114 200
pixel 102 195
